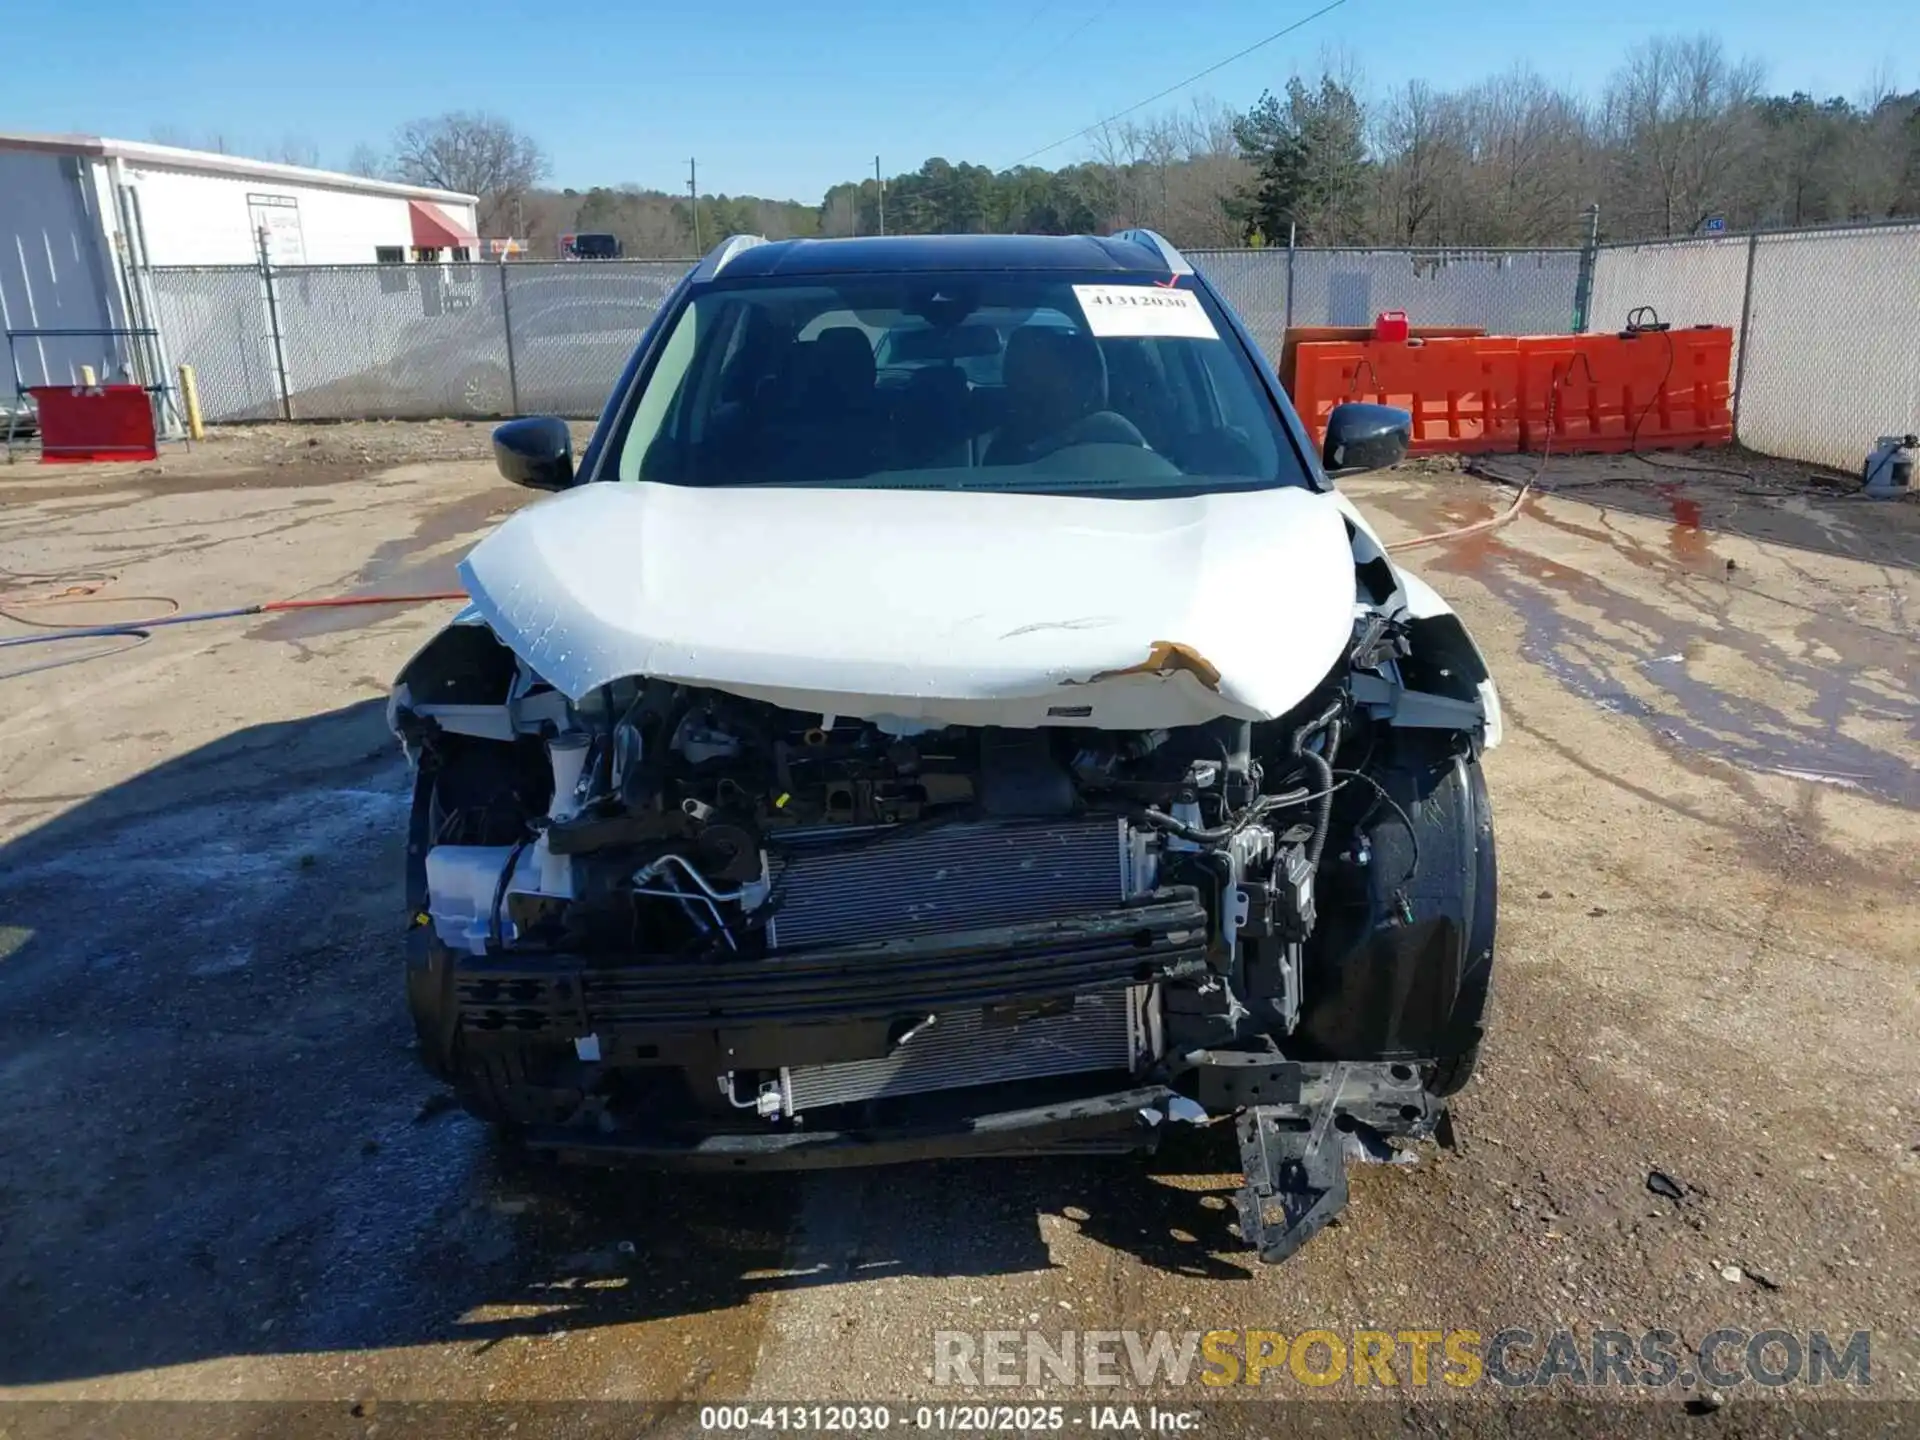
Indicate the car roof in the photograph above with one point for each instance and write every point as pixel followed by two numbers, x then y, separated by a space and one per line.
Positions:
pixel 897 254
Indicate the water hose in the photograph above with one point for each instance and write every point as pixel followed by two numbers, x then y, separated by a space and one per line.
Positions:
pixel 266 607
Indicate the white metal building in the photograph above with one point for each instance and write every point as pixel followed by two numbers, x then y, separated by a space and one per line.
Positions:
pixel 82 217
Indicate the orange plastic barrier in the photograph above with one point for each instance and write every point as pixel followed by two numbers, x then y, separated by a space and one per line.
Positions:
pixel 1300 335
pixel 1636 390
pixel 1464 395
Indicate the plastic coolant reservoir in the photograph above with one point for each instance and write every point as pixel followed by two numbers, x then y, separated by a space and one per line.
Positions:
pixel 462 881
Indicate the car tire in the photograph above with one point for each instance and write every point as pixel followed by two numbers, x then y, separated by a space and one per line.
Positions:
pixel 519 1087
pixel 1450 1074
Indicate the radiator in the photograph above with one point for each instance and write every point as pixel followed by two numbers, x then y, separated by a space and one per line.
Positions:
pixel 951 877
pixel 1102 1032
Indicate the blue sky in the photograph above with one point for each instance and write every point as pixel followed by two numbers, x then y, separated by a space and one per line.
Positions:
pixel 784 98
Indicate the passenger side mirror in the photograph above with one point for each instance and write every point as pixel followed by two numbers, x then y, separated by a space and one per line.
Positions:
pixel 1365 437
pixel 536 452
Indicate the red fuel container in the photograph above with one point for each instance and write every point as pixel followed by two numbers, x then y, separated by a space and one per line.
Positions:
pixel 1391 326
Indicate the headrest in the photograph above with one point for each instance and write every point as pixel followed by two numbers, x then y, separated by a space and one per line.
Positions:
pixel 841 362
pixel 1058 371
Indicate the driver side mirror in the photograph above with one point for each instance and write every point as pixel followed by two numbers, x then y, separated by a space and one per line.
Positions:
pixel 536 452
pixel 1365 437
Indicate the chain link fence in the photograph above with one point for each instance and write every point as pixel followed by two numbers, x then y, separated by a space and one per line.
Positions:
pixel 408 342
pixel 216 319
pixel 339 342
pixel 1509 292
pixel 1825 324
pixel 1824 327
pixel 393 342
pixel 1833 337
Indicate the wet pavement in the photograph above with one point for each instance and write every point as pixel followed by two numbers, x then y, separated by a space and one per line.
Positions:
pixel 1803 679
pixel 223 1176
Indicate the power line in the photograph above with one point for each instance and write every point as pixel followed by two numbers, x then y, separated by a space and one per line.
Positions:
pixel 1098 14
pixel 1201 75
pixel 940 112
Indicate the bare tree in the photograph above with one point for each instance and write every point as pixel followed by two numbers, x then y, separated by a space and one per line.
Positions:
pixel 295 150
pixel 1678 113
pixel 1114 185
pixel 178 137
pixel 366 161
pixel 476 153
pixel 1532 149
pixel 1211 172
pixel 1419 141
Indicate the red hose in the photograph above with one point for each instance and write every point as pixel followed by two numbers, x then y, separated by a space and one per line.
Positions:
pixel 141 627
pixel 331 602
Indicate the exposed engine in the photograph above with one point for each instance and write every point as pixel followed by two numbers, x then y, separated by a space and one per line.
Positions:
pixel 683 827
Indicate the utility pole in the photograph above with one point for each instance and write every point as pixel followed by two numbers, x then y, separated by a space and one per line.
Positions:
pixel 883 194
pixel 693 194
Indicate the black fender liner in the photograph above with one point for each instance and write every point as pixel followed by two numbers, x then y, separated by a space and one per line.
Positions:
pixel 1400 966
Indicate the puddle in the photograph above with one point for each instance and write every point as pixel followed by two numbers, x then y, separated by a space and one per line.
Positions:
pixel 404 565
pixel 1634 657
pixel 148 483
pixel 1687 541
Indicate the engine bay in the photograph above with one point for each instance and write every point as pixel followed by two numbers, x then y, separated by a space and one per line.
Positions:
pixel 668 821
pixel 671 921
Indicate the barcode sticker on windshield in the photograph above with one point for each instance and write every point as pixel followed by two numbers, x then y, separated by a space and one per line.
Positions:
pixel 1152 310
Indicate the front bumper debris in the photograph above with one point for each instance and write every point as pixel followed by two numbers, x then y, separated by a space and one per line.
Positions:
pixel 1294 1152
pixel 1102 1124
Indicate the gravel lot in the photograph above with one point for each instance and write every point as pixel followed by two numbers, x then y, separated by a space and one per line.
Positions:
pixel 223 1177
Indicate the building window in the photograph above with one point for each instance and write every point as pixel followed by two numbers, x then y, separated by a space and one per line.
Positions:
pixel 392 260
pixel 425 255
pixel 461 255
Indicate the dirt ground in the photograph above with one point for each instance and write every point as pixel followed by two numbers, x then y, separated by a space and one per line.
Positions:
pixel 223 1177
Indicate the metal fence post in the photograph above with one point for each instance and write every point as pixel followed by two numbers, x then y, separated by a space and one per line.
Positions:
pixel 506 325
pixel 1287 321
pixel 273 328
pixel 1746 317
pixel 1589 257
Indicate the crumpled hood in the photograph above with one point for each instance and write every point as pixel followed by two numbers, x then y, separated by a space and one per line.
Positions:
pixel 921 607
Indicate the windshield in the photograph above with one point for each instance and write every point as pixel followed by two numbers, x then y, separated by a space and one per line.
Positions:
pixel 1045 382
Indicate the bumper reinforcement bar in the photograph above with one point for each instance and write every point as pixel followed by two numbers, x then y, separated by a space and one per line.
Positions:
pixel 570 995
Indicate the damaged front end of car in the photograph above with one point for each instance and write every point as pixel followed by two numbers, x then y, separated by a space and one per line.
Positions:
pixel 745 919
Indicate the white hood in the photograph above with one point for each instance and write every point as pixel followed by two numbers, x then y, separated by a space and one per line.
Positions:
pixel 922 607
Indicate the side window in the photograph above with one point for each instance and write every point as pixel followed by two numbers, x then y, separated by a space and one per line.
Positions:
pixel 650 429
pixel 675 409
pixel 389 255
